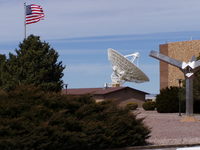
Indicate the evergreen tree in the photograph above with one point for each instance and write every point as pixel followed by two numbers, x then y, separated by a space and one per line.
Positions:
pixel 35 63
pixel 31 119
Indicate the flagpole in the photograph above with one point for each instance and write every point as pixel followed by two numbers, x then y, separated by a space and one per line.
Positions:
pixel 25 20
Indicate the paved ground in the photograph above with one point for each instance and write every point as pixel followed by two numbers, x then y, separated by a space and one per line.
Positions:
pixel 167 129
pixel 177 148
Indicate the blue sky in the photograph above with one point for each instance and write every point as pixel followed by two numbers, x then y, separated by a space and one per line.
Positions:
pixel 82 31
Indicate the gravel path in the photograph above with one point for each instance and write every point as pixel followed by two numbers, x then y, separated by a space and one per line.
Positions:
pixel 167 128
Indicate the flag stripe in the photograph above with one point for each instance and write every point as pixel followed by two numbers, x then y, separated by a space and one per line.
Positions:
pixel 34 13
pixel 33 19
pixel 34 16
pixel 32 22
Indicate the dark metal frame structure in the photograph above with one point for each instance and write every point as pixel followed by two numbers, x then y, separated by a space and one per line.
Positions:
pixel 189 69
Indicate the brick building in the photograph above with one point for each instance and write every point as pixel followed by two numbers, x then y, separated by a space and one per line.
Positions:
pixel 120 95
pixel 182 51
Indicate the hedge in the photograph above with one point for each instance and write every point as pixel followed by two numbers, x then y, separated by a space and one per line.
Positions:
pixel 32 119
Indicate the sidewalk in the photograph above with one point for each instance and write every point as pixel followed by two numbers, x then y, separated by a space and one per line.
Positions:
pixel 167 129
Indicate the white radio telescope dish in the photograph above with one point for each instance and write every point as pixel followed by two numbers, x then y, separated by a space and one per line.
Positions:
pixel 125 69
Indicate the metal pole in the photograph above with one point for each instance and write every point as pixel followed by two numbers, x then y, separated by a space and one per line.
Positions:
pixel 179 83
pixel 189 96
pixel 25 20
pixel 66 86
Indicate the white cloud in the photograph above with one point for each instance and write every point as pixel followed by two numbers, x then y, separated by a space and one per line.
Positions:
pixel 79 18
pixel 78 52
pixel 92 69
pixel 68 19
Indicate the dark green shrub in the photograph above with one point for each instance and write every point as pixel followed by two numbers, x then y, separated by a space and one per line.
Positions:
pixel 168 100
pixel 149 105
pixel 131 106
pixel 196 106
pixel 31 119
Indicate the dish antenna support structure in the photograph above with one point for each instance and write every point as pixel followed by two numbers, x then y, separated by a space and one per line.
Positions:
pixel 189 69
pixel 124 69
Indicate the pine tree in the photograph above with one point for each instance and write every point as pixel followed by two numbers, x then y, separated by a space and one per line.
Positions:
pixel 35 63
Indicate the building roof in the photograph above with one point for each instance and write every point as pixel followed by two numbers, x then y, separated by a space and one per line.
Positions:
pixel 150 96
pixel 96 91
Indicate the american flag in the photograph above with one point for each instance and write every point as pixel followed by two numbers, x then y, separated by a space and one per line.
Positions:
pixel 34 13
